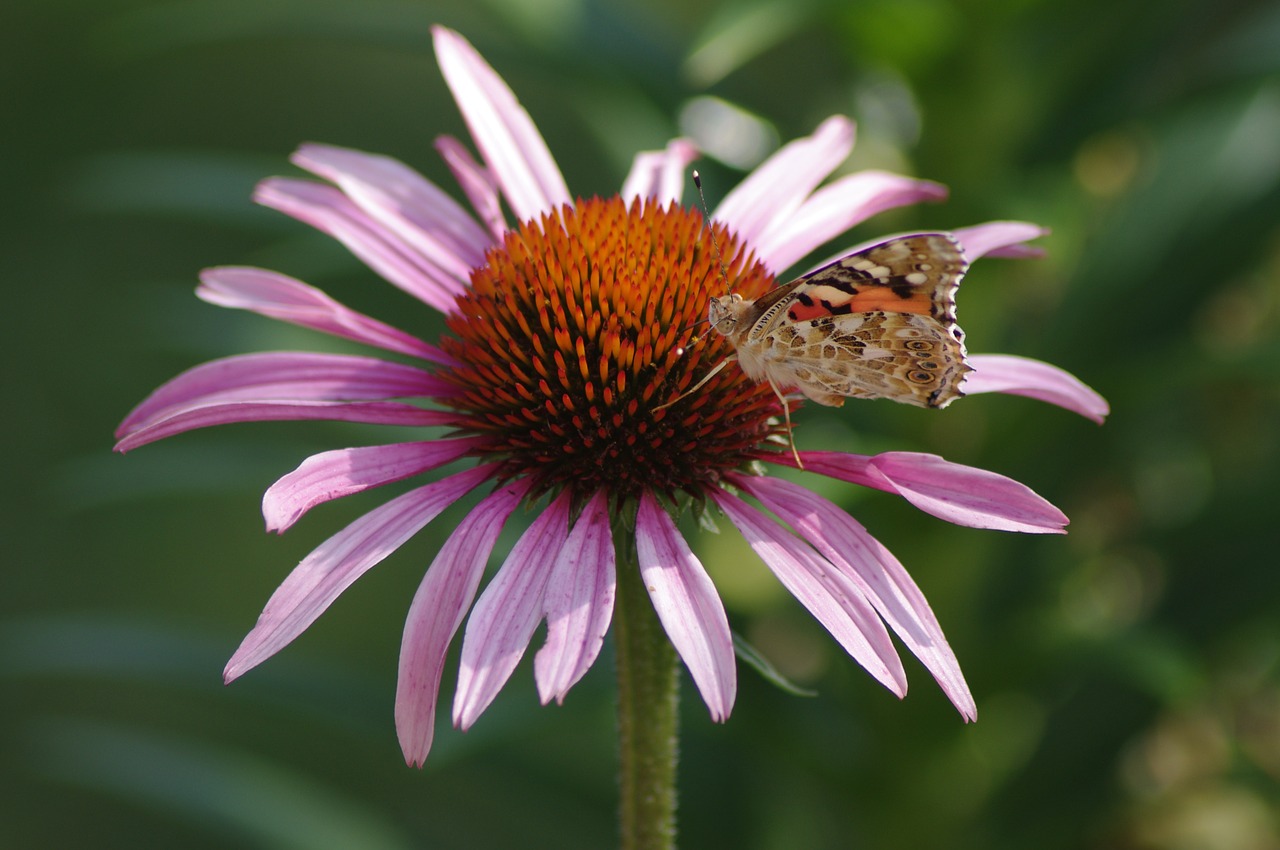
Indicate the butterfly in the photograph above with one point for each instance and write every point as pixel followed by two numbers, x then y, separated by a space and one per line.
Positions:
pixel 878 323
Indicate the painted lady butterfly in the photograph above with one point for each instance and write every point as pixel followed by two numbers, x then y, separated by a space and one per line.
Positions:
pixel 879 323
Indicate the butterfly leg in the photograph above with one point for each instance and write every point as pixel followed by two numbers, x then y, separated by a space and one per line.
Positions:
pixel 786 413
pixel 715 371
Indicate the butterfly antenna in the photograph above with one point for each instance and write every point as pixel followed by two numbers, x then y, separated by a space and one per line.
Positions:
pixel 724 275
pixel 706 222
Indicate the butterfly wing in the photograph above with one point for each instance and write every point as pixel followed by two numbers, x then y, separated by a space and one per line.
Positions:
pixel 879 323
pixel 902 356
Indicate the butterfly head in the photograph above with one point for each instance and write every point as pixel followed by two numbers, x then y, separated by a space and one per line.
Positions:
pixel 724 313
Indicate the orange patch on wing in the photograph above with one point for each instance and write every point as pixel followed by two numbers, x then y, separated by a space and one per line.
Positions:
pixel 879 298
pixel 827 299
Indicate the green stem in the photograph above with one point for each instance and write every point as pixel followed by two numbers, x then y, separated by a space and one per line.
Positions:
pixel 647 699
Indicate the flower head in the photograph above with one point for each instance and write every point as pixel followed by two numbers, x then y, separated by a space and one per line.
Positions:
pixel 570 335
pixel 574 334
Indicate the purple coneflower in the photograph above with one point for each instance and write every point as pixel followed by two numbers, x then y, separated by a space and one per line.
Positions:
pixel 569 332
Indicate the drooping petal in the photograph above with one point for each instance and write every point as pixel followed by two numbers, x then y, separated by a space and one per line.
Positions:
pixel 506 614
pixel 477 184
pixel 964 495
pixel 191 417
pixel 436 612
pixel 688 606
pixel 290 300
pixel 331 475
pixel 332 567
pixel 1005 373
pixel 284 375
pixel 287 386
pixel 578 603
pixel 329 211
pixel 504 133
pixel 776 189
pixel 660 174
pixel 875 571
pixel 837 207
pixel 823 589
pixel 999 239
pixel 405 202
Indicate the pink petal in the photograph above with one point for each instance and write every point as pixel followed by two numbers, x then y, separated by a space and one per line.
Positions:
pixel 477 184
pixel 404 202
pixel 775 190
pixel 823 589
pixel 282 297
pixel 875 572
pixel 838 207
pixel 192 417
pixel 504 618
pixel 999 239
pixel 436 612
pixel 331 475
pixel 289 386
pixel 964 495
pixel 578 603
pixel 332 567
pixel 329 211
pixel 688 606
pixel 283 376
pixel 504 133
pixel 660 175
pixel 1005 373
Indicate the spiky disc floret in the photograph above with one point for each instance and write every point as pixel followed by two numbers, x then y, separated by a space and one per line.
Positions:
pixel 582 326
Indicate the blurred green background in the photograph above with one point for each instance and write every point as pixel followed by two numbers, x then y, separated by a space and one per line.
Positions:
pixel 1126 675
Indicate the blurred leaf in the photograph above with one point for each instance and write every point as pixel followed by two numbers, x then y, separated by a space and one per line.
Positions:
pixel 205 186
pixel 728 132
pixel 173 26
pixel 741 31
pixel 243 797
pixel 122 651
pixel 543 21
pixel 1252 46
pixel 753 659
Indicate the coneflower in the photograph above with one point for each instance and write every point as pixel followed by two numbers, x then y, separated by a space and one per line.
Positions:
pixel 570 333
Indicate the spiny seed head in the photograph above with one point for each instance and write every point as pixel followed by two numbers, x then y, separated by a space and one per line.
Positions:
pixel 582 325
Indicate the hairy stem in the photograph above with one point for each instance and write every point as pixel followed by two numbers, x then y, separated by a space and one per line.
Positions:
pixel 648 696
